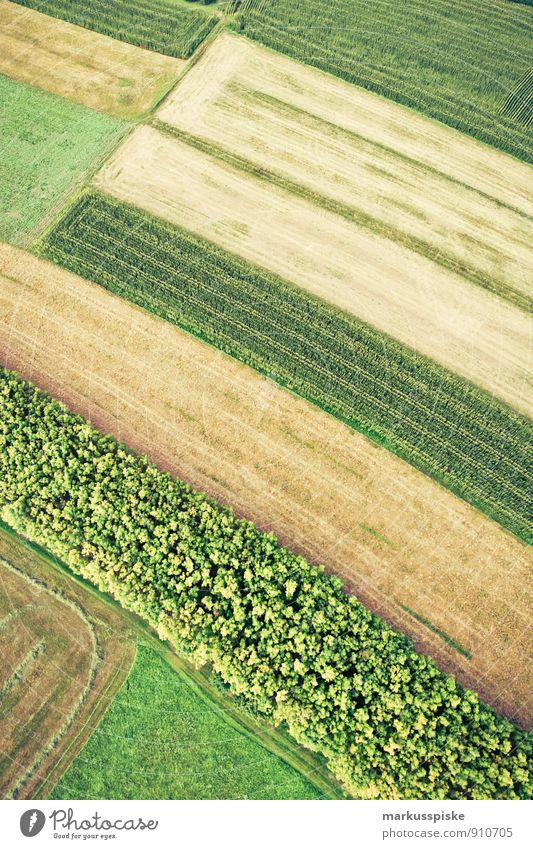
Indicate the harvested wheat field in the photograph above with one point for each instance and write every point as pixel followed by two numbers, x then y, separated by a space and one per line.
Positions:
pixel 64 655
pixel 470 331
pixel 326 491
pixel 84 66
pixel 363 153
pixel 388 124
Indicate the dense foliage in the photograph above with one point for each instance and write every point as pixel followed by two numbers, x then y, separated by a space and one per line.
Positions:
pixel 160 739
pixel 459 435
pixel 455 61
pixel 159 25
pixel 279 631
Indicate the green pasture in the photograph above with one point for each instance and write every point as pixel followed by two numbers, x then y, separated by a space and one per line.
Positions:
pixel 48 147
pixel 162 738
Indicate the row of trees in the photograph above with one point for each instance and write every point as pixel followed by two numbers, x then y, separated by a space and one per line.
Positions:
pixel 279 631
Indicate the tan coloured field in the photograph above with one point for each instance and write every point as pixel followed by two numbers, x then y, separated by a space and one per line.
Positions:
pixel 54 687
pixel 391 533
pixel 312 130
pixel 460 325
pixel 84 66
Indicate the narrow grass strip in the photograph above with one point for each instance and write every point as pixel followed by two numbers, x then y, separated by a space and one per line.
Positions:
pixel 449 640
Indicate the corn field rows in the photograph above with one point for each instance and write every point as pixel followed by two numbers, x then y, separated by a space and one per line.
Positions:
pixel 158 25
pixel 519 104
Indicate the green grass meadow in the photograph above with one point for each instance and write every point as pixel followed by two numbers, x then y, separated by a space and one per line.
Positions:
pixel 48 146
pixel 162 739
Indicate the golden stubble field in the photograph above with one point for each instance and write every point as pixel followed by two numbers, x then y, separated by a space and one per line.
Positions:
pixel 393 535
pixel 463 201
pixel 458 324
pixel 92 69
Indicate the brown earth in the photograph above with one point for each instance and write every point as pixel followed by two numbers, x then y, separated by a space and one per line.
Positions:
pixel 63 656
pixel 391 533
pixel 92 69
pixel 280 116
pixel 472 332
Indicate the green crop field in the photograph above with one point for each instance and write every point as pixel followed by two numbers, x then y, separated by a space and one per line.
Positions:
pixel 280 632
pixel 455 60
pixel 48 146
pixel 163 739
pixel 452 431
pixel 161 25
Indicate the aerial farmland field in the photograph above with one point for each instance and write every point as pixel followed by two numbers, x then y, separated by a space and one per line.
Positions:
pixel 406 295
pixel 279 631
pixel 43 617
pixel 95 70
pixel 453 60
pixel 327 493
pixel 137 752
pixel 428 187
pixel 51 633
pixel 66 653
pixel 464 438
pixel 266 416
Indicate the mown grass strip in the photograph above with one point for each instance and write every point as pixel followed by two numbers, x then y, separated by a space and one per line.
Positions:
pixel 159 25
pixel 281 633
pixel 449 640
pixel 18 674
pixel 459 435
pixel 452 60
